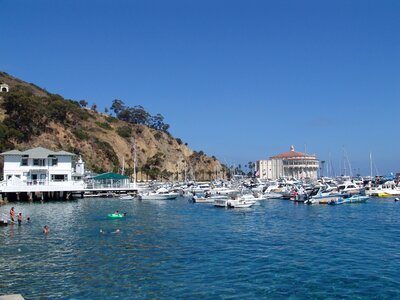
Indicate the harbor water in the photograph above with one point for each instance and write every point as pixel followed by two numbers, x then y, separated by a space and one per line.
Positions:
pixel 178 250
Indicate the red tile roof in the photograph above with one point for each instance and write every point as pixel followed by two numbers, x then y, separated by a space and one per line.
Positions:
pixel 289 154
pixel 293 154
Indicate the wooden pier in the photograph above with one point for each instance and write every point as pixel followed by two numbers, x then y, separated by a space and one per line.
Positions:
pixel 46 192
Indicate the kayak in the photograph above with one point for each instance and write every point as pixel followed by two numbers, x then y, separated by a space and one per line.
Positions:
pixel 115 215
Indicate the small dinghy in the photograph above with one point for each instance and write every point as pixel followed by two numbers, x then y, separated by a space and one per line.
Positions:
pixel 3 223
pixel 115 216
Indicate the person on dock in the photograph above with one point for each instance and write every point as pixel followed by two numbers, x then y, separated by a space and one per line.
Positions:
pixel 19 219
pixel 12 214
pixel 46 229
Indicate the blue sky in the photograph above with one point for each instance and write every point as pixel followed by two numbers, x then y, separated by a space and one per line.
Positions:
pixel 241 80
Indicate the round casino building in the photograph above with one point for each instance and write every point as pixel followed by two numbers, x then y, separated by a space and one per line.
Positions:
pixel 291 164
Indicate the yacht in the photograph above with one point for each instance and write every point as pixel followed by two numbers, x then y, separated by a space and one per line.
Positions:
pixel 388 189
pixel 320 195
pixel 160 194
pixel 237 202
pixel 348 187
pixel 209 199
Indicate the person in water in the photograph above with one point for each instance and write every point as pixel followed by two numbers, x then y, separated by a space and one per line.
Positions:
pixel 20 219
pixel 12 214
pixel 46 229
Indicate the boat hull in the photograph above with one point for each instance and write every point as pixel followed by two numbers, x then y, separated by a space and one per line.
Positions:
pixel 170 196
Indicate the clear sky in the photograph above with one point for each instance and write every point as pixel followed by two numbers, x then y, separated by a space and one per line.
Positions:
pixel 241 80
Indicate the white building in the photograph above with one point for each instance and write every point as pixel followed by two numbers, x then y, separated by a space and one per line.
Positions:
pixel 4 88
pixel 39 167
pixel 288 164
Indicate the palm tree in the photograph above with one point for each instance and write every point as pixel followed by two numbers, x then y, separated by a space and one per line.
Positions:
pixel 251 166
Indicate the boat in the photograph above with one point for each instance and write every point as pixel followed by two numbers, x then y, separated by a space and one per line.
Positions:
pixel 319 196
pixel 240 203
pixel 349 188
pixel 115 215
pixel 160 194
pixel 221 202
pixel 209 199
pixel 126 197
pixel 388 189
pixel 237 202
pixel 352 199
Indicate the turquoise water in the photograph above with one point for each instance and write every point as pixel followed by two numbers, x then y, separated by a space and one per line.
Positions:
pixel 178 250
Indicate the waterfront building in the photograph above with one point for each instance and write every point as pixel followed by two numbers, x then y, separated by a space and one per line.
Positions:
pixel 290 164
pixel 38 165
pixel 40 173
pixel 40 169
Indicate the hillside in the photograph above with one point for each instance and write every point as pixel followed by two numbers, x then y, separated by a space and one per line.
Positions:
pixel 31 117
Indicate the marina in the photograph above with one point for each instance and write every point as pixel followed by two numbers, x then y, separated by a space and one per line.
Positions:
pixel 199 150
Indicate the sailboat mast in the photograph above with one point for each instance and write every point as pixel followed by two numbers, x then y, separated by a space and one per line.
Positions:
pixel 370 163
pixel 134 162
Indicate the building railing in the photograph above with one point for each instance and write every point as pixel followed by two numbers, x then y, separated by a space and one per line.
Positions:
pixel 30 182
pixel 117 185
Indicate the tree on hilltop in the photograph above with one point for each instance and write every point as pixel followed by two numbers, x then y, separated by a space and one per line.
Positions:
pixel 83 103
pixel 117 106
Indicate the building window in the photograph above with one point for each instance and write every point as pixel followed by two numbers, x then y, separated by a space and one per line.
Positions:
pixel 59 177
pixel 24 161
pixel 39 162
pixel 54 161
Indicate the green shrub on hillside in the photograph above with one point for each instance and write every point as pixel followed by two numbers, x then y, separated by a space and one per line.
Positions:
pixel 81 134
pixel 158 135
pixel 109 151
pixel 111 119
pixel 124 131
pixel 31 115
pixel 104 125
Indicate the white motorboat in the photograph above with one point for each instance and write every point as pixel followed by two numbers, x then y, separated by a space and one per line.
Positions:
pixel 160 194
pixel 126 197
pixel 238 202
pixel 349 188
pixel 388 189
pixel 221 202
pixel 209 199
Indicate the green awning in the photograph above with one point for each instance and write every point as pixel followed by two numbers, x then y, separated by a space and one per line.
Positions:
pixel 110 175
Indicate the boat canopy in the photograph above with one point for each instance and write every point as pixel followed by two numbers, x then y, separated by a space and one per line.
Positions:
pixel 110 175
